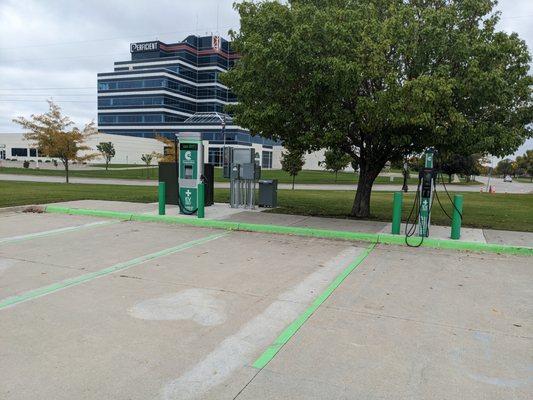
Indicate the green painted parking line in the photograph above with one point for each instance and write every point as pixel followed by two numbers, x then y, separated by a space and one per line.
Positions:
pixel 53 232
pixel 289 332
pixel 55 287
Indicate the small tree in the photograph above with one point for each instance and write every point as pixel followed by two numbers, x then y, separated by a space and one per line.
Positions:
pixel 505 167
pixel 292 162
pixel 56 136
pixel 147 159
pixel 525 163
pixel 335 160
pixel 107 150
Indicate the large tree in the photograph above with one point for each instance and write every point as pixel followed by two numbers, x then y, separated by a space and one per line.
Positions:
pixel 55 135
pixel 379 79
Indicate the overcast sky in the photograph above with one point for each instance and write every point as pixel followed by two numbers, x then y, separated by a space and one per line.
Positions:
pixel 59 46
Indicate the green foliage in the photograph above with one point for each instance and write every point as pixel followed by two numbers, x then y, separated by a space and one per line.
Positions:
pixel 380 79
pixel 107 149
pixel 459 164
pixel 335 160
pixel 292 162
pixel 525 164
pixel 56 135
pixel 505 167
pixel 147 159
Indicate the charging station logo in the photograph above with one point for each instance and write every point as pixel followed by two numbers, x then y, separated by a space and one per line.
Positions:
pixel 188 200
pixel 188 156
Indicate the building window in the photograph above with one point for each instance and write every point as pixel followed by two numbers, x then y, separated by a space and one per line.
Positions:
pixel 33 152
pixel 266 161
pixel 19 152
pixel 215 156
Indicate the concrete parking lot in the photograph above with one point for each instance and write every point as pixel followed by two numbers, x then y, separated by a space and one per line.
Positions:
pixel 99 309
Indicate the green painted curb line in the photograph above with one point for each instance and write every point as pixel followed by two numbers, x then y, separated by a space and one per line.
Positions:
pixel 289 332
pixel 43 291
pixel 383 238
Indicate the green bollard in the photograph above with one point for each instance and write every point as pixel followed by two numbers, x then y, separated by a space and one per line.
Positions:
pixel 161 197
pixel 201 200
pixel 456 217
pixel 397 213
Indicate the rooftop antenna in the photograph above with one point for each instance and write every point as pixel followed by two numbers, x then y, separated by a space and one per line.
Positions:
pixel 197 31
pixel 217 18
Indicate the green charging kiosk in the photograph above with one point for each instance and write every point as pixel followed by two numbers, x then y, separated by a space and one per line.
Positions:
pixel 191 164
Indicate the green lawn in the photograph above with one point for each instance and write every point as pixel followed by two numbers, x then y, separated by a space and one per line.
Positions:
pixel 117 165
pixel 481 210
pixel 142 173
pixel 307 177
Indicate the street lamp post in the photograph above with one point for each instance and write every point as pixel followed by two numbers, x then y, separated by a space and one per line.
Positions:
pixel 405 188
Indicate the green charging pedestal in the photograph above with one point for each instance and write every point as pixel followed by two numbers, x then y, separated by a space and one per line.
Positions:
pixel 191 162
pixel 426 183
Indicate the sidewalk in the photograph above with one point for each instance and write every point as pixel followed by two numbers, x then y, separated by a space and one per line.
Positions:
pixel 518 188
pixel 222 211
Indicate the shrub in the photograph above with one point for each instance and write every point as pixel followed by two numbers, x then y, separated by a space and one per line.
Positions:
pixel 26 164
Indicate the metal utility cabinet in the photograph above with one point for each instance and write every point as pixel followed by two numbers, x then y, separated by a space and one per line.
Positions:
pixel 268 193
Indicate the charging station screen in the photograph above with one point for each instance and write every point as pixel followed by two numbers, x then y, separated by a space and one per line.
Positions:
pixel 188 146
pixel 188 171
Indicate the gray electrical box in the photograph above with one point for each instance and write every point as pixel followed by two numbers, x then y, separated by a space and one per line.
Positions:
pixel 235 171
pixel 248 171
pixel 268 193
pixel 243 156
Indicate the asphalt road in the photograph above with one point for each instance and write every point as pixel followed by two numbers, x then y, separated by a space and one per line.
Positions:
pixel 501 187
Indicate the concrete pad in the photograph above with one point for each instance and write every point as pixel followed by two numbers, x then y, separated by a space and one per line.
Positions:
pixel 131 335
pixel 413 324
pixel 247 263
pixel 350 225
pixel 106 205
pixel 509 237
pixel 266 218
pixel 18 276
pixel 215 211
pixel 93 249
pixel 340 354
pixel 444 232
pixel 17 224
pixel 473 291
pixel 406 324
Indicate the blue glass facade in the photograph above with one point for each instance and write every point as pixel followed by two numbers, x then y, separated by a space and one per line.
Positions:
pixel 164 84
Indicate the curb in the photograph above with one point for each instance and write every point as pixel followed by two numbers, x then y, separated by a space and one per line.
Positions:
pixel 383 238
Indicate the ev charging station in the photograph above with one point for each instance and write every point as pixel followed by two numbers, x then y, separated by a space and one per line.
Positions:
pixel 191 170
pixel 426 185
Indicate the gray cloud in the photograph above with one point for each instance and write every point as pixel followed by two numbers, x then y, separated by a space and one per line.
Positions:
pixel 65 43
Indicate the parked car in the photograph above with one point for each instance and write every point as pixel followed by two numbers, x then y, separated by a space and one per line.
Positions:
pixel 507 178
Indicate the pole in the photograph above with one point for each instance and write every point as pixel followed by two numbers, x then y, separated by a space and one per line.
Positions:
pixel 201 200
pixel 405 188
pixel 397 212
pixel 457 216
pixel 161 197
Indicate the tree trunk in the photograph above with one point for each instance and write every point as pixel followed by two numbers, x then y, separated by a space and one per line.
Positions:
pixel 336 172
pixel 368 172
pixel 293 178
pixel 65 163
pixel 449 178
pixel 106 164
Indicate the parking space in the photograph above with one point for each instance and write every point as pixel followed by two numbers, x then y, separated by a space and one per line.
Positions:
pixel 131 310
